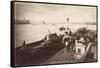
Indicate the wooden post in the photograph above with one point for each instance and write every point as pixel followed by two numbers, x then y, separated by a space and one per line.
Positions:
pixel 24 44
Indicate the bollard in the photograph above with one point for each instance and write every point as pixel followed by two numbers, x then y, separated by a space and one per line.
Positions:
pixel 24 44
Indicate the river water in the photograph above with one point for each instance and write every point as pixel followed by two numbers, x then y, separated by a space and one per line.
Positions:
pixel 32 33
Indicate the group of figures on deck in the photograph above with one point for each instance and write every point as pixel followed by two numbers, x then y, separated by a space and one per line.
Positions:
pixel 82 43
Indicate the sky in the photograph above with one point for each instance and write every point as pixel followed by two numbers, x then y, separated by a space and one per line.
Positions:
pixel 53 13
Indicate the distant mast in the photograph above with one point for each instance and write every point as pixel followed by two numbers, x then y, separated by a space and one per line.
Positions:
pixel 67 22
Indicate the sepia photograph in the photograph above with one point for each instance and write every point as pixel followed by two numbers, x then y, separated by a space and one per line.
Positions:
pixel 53 33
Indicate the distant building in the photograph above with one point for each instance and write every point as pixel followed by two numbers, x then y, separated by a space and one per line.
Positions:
pixel 17 21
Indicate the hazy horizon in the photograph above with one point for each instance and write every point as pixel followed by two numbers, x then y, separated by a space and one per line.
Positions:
pixel 38 12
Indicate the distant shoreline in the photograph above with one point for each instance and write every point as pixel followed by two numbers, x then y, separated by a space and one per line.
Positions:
pixel 57 23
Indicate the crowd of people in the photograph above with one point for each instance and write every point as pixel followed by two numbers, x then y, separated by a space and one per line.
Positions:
pixel 75 42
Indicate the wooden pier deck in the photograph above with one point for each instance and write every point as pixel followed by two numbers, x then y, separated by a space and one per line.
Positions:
pixel 36 54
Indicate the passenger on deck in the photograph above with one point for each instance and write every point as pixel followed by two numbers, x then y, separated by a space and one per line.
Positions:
pixel 68 31
pixel 79 48
pixel 50 38
pixel 81 40
pixel 66 40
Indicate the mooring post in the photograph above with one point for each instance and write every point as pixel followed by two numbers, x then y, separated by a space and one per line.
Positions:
pixel 24 44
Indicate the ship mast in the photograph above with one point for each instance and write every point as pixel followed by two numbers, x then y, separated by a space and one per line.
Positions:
pixel 67 22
